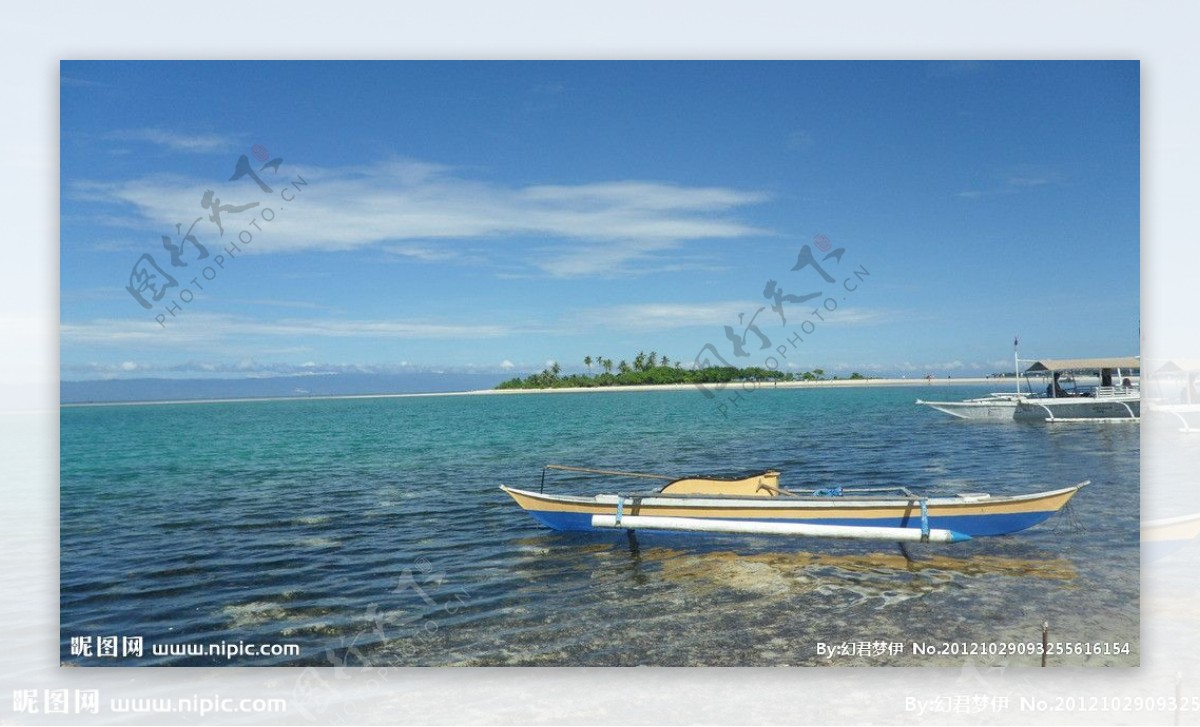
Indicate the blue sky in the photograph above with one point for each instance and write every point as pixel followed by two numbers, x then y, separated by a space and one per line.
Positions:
pixel 497 216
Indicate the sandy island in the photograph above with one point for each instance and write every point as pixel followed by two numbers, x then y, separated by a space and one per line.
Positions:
pixel 748 385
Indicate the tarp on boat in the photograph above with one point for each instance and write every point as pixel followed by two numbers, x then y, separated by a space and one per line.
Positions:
pixel 1072 364
pixel 765 484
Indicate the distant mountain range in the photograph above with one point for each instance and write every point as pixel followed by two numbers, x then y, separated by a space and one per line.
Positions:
pixel 122 390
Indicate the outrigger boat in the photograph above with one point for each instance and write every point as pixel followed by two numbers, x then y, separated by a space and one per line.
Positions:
pixel 1116 399
pixel 757 504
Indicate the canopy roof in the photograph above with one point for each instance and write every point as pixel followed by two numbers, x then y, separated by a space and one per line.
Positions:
pixel 1180 365
pixel 1070 364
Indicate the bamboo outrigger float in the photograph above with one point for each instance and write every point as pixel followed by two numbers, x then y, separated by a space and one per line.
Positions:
pixel 758 505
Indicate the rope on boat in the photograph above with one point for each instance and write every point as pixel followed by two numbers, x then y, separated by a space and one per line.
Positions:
pixel 840 491
pixel 778 490
pixel 924 520
pixel 589 470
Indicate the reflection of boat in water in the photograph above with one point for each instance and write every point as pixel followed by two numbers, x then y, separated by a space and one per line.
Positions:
pixel 758 505
pixel 1179 384
pixel 1115 399
pixel 871 573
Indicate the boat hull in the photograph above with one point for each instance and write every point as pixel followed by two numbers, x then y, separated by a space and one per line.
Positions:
pixel 987 409
pixel 974 515
pixel 1116 408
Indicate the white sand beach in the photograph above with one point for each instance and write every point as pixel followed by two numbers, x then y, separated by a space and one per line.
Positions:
pixel 1003 384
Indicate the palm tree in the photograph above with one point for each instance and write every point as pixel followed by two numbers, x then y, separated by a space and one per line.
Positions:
pixel 639 362
pixel 555 370
pixel 587 361
pixel 622 368
pixel 607 364
pixel 665 362
pixel 652 362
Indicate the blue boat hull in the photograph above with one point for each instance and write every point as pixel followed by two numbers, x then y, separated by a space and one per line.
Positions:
pixel 973 525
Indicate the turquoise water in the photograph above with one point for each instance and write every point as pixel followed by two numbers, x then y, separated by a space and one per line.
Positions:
pixel 371 531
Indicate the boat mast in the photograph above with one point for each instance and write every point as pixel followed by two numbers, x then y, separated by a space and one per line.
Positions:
pixel 1017 367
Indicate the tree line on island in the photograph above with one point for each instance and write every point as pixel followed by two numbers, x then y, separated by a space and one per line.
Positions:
pixel 654 369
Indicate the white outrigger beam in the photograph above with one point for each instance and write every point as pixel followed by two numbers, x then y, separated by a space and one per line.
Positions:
pixel 708 525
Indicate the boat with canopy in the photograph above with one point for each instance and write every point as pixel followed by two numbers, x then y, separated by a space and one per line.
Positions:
pixel 1115 398
pixel 1178 384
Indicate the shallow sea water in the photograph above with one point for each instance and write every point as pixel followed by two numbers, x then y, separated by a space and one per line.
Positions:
pixel 373 532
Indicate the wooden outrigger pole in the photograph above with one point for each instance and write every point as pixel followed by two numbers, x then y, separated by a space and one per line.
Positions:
pixel 707 525
pixel 589 470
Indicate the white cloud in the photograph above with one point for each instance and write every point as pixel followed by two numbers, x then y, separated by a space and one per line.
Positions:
pixel 202 330
pixel 1018 179
pixel 278 303
pixel 176 141
pixel 506 364
pixel 934 367
pixel 608 228
pixel 424 253
pixel 255 367
pixel 1029 181
pixel 662 316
